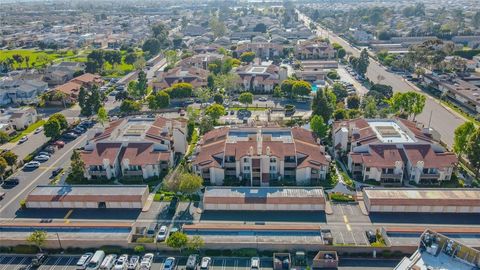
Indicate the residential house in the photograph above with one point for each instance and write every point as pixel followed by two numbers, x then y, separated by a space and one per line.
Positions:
pixel 71 89
pixel 62 72
pixel 20 91
pixel 260 78
pixel 134 147
pixel 314 49
pixel 193 75
pixel 260 156
pixel 391 151
pixel 23 117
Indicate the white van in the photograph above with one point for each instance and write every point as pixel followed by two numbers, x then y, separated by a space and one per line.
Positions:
pixel 96 260
pixel 108 262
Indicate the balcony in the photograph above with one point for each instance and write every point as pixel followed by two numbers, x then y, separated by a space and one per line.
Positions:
pixel 230 165
pixel 290 164
pixel 98 172
pixel 429 175
pixel 132 172
pixel 392 175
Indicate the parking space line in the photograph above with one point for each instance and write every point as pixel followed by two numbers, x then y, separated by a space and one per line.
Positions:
pixel 56 263
pixel 8 262
pixel 223 264
pixel 365 239
pixel 235 264
pixel 20 264
pixel 353 237
pixel 343 239
pixel 43 266
pixel 70 260
pixel 246 265
pixel 163 264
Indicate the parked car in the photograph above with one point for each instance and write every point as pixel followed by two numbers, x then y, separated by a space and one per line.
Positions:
pixel 169 264
pixel 255 263
pixel 263 99
pixel 121 263
pixel 41 158
pixel 192 262
pixel 49 149
pixel 32 165
pixel 205 264
pixel 23 139
pixel 371 237
pixel 162 233
pixel 108 262
pixel 59 144
pixel 38 130
pixel 79 130
pixel 83 261
pixel 146 262
pixel 133 262
pixel 152 229
pixel 39 259
pixel 43 153
pixel 96 260
pixel 57 171
pixel 70 136
pixel 11 182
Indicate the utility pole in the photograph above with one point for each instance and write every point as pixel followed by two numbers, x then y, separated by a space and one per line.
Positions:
pixel 59 242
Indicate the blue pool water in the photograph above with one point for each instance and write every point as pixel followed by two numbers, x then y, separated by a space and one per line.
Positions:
pixel 450 235
pixel 252 233
pixel 314 88
pixel 66 229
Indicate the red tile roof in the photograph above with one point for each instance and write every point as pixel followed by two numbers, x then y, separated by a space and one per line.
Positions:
pixel 425 153
pixel 143 154
pixel 382 156
pixel 102 151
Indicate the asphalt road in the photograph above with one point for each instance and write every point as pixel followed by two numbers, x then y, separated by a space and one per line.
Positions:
pixel 443 120
pixel 31 178
pixel 67 262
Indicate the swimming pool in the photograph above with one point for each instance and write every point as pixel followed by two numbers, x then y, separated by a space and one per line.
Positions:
pixel 314 88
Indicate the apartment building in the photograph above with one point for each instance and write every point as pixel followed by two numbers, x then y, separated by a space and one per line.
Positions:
pixel 200 60
pixel 391 151
pixel 260 156
pixel 314 49
pixel 263 50
pixel 259 77
pixel 136 146
pixel 71 89
pixel 62 72
pixel 458 90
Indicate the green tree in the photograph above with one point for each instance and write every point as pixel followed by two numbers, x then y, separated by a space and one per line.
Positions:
pixel 461 137
pixel 52 128
pixel 215 111
pixel 129 105
pixel 97 57
pixel 340 91
pixel 318 126
pixel 94 101
pixel 246 98
pixel 190 129
pixel 341 53
pixel 322 105
pixel 340 114
pixel 37 238
pixel 204 94
pixel 177 240
pixel 206 124
pixel 301 88
pixel 180 90
pixel 247 57
pixel 102 115
pixel 10 157
pixel 218 27
pixel 473 151
pixel 260 27
pixel 3 166
pixel 227 82
pixel 370 109
pixel 190 183
pixel 4 137
pixel 82 102
pixel 113 57
pixel 362 63
pixel 218 98
pixel 210 81
pixel 130 58
pixel 333 75
pixel 151 46
pixel 353 102
pixel 287 87
pixel 77 167
pixel 159 100
pixel 195 243
pixel 277 92
pixel 411 103
pixel 142 83
pixel 171 57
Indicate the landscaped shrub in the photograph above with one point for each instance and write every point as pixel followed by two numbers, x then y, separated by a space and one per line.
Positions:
pixel 25 249
pixel 139 249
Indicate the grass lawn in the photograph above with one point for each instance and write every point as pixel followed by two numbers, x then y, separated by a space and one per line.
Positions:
pixel 38 58
pixel 28 130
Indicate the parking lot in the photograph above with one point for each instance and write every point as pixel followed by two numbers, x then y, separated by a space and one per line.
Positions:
pixel 16 262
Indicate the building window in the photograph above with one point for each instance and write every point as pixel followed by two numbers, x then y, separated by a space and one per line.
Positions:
pixel 273 160
pixel 246 168
pixel 314 171
pixel 367 169
pixel 273 168
pixel 245 160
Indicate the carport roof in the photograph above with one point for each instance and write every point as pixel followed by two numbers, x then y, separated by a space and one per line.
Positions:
pixel 87 193
pixel 263 195
pixel 417 196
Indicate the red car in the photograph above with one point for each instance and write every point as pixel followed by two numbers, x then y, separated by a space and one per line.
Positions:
pixel 59 144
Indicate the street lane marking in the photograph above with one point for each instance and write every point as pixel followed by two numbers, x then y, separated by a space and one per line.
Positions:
pixel 55 263
pixel 41 174
pixel 235 265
